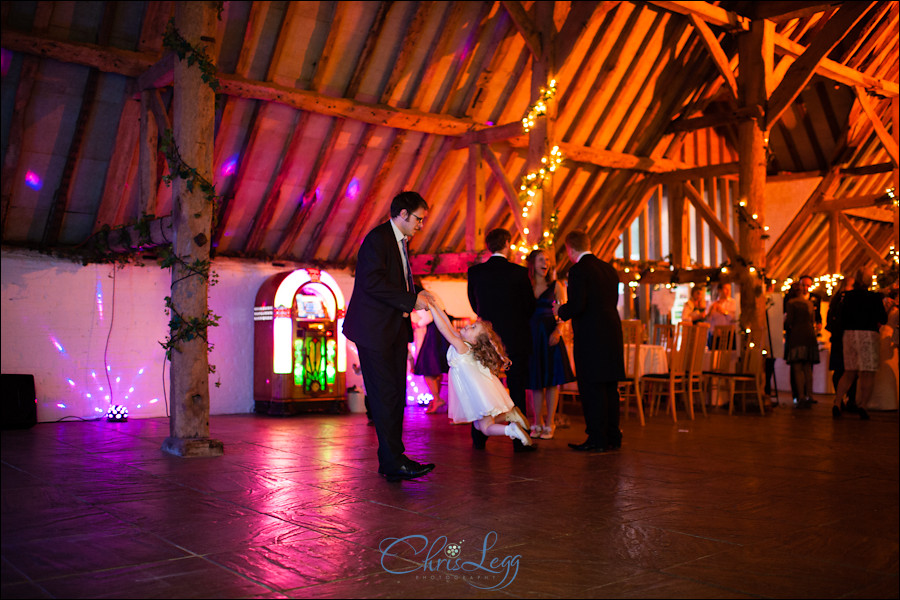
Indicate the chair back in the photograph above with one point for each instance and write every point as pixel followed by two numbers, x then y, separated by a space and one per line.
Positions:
pixel 701 332
pixel 632 336
pixel 662 334
pixel 680 351
pixel 723 345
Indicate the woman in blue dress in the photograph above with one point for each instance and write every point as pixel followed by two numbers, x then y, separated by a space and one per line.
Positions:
pixel 549 366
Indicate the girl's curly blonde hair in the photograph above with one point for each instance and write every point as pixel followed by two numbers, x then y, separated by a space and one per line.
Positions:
pixel 489 350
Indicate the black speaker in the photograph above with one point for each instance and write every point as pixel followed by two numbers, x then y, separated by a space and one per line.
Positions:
pixel 19 402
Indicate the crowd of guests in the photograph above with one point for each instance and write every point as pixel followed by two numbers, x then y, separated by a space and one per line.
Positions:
pixel 522 312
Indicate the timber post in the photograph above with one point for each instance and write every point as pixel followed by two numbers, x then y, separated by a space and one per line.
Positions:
pixel 193 128
pixel 755 58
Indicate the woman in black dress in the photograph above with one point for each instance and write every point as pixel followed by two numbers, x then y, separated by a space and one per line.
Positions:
pixel 549 365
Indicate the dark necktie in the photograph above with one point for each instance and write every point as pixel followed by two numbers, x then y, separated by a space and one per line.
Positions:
pixel 410 284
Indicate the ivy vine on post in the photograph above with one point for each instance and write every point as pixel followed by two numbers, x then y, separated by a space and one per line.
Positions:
pixel 183 329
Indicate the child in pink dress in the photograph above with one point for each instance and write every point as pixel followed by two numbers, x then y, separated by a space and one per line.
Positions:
pixel 477 357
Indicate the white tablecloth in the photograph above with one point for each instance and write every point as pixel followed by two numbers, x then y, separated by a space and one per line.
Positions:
pixel 652 359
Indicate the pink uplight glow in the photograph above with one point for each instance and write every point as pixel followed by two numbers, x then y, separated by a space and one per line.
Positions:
pixel 230 167
pixel 353 189
pixel 33 180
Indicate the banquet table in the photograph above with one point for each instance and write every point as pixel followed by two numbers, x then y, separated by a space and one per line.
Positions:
pixel 652 359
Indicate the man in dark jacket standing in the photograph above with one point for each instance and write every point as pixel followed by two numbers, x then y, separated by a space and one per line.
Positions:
pixel 377 320
pixel 500 292
pixel 593 293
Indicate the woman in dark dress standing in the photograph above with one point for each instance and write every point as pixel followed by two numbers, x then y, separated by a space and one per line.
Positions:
pixel 801 348
pixel 431 364
pixel 549 366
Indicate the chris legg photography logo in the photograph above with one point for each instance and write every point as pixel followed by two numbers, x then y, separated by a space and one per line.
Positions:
pixel 441 559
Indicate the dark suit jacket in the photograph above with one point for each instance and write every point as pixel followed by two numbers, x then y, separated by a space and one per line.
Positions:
pixel 593 292
pixel 374 316
pixel 501 292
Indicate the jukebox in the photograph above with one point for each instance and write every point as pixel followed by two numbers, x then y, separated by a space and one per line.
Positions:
pixel 300 353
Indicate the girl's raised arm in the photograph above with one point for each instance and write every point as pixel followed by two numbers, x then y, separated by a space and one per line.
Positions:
pixel 446 328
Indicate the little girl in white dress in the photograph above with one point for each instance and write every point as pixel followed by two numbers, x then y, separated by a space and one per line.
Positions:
pixel 476 357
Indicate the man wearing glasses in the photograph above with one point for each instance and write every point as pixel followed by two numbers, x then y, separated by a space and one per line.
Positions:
pixel 377 320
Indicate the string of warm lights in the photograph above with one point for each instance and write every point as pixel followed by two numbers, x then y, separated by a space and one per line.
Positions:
pixel 539 108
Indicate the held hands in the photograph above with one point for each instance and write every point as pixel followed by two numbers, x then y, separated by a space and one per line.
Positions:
pixel 423 299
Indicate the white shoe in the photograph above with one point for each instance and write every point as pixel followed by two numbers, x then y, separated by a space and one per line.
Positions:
pixel 515 431
pixel 515 416
pixel 548 431
pixel 536 431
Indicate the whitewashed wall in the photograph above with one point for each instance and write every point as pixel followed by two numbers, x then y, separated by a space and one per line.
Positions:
pixel 69 325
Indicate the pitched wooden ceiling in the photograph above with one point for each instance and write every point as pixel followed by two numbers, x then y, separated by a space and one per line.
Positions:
pixel 327 109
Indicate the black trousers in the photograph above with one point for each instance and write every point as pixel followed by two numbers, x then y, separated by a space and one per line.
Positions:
pixel 516 382
pixel 384 375
pixel 600 405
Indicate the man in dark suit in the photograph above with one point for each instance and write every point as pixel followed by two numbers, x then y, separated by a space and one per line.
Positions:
pixel 377 320
pixel 500 292
pixel 593 293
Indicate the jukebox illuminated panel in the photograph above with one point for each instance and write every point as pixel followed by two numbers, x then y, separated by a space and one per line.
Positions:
pixel 300 352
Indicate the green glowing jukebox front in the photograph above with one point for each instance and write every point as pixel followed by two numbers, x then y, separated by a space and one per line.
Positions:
pixel 299 348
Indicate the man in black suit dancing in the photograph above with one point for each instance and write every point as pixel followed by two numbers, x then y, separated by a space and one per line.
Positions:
pixel 593 293
pixel 500 292
pixel 377 320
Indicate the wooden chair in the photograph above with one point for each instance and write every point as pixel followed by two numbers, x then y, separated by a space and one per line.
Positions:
pixel 662 334
pixel 748 379
pixel 677 380
pixel 695 366
pixel 632 336
pixel 723 349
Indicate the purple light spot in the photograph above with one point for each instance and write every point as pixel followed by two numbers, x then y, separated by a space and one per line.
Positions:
pixel 5 60
pixel 130 390
pixel 353 189
pixel 154 401
pixel 61 405
pixel 141 372
pixel 489 123
pixel 118 379
pixel 230 166
pixel 33 180
pixel 87 395
pixel 72 383
pixel 58 345
pixel 228 233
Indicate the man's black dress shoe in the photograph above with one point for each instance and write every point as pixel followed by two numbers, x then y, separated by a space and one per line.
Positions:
pixel 410 470
pixel 587 446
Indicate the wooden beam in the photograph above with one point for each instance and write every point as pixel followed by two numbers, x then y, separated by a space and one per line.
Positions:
pixel 718 55
pixel 861 240
pixel 489 135
pixel 787 10
pixel 834 243
pixel 506 187
pixel 525 27
pixel 717 227
pixel 851 202
pixel 725 119
pixel 827 68
pixel 677 230
pixel 887 141
pixel 475 200
pixel 869 169
pixel 720 170
pixel 801 71
pixel 161 74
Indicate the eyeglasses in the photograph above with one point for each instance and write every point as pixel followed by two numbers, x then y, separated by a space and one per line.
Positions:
pixel 418 218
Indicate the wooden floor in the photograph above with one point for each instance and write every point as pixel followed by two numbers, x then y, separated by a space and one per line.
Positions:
pixel 790 505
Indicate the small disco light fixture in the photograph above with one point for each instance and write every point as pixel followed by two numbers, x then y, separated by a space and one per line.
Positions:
pixel 117 414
